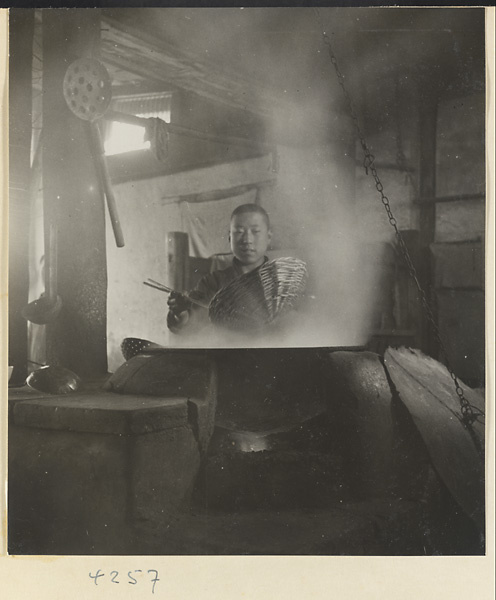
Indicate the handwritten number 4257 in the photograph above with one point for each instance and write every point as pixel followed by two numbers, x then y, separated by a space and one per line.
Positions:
pixel 132 580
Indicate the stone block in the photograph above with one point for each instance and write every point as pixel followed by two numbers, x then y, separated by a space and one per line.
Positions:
pixel 174 373
pixel 165 465
pixel 458 266
pixel 201 415
pixel 84 471
pixel 68 492
pixel 105 413
pixel 21 394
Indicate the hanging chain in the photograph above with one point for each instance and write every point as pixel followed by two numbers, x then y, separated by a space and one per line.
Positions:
pixel 468 411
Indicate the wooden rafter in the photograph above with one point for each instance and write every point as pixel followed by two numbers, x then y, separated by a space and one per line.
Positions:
pixel 135 51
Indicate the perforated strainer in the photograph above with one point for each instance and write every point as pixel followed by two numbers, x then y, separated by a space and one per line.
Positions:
pixel 88 91
pixel 87 88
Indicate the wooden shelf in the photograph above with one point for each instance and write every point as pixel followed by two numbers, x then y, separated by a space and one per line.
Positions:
pixel 394 333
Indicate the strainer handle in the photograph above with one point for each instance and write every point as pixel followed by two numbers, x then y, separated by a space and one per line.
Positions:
pixel 104 175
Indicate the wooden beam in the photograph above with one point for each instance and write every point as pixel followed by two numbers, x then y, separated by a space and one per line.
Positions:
pixel 184 131
pixel 136 51
pixel 440 199
pixel 388 166
pixel 219 194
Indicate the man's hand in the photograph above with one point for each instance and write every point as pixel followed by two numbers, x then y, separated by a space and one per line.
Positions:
pixel 178 303
pixel 179 306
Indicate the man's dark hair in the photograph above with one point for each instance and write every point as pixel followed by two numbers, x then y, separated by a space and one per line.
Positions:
pixel 249 208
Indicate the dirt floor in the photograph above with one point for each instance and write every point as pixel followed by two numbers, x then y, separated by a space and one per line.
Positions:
pixel 373 528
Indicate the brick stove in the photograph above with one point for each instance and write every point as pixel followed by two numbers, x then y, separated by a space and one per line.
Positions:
pixel 230 451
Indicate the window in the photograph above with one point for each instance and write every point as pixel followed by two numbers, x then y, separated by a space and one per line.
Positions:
pixel 122 137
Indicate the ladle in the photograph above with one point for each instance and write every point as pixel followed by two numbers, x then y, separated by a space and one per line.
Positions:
pixel 53 380
pixel 88 91
pixel 103 173
pixel 48 306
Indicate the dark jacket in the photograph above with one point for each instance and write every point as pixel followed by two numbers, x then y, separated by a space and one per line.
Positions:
pixel 206 289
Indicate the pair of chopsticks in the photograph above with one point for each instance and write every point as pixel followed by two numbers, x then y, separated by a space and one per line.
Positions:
pixel 163 288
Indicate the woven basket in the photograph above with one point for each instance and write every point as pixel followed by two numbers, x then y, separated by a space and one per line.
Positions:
pixel 260 297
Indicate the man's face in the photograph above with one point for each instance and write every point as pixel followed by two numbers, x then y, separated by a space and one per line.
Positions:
pixel 249 238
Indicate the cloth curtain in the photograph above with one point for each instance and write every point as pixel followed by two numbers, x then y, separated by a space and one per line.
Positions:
pixel 207 223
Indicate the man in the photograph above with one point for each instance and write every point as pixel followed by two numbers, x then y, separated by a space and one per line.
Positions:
pixel 249 236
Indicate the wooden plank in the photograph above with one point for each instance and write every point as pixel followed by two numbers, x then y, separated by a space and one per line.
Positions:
pixel 460 221
pixel 426 389
pixel 461 144
pixel 220 194
pixel 458 266
pixel 440 199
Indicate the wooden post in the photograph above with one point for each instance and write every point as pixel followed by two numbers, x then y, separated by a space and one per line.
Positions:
pixel 427 210
pixel 20 96
pixel 177 260
pixel 427 169
pixel 73 201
